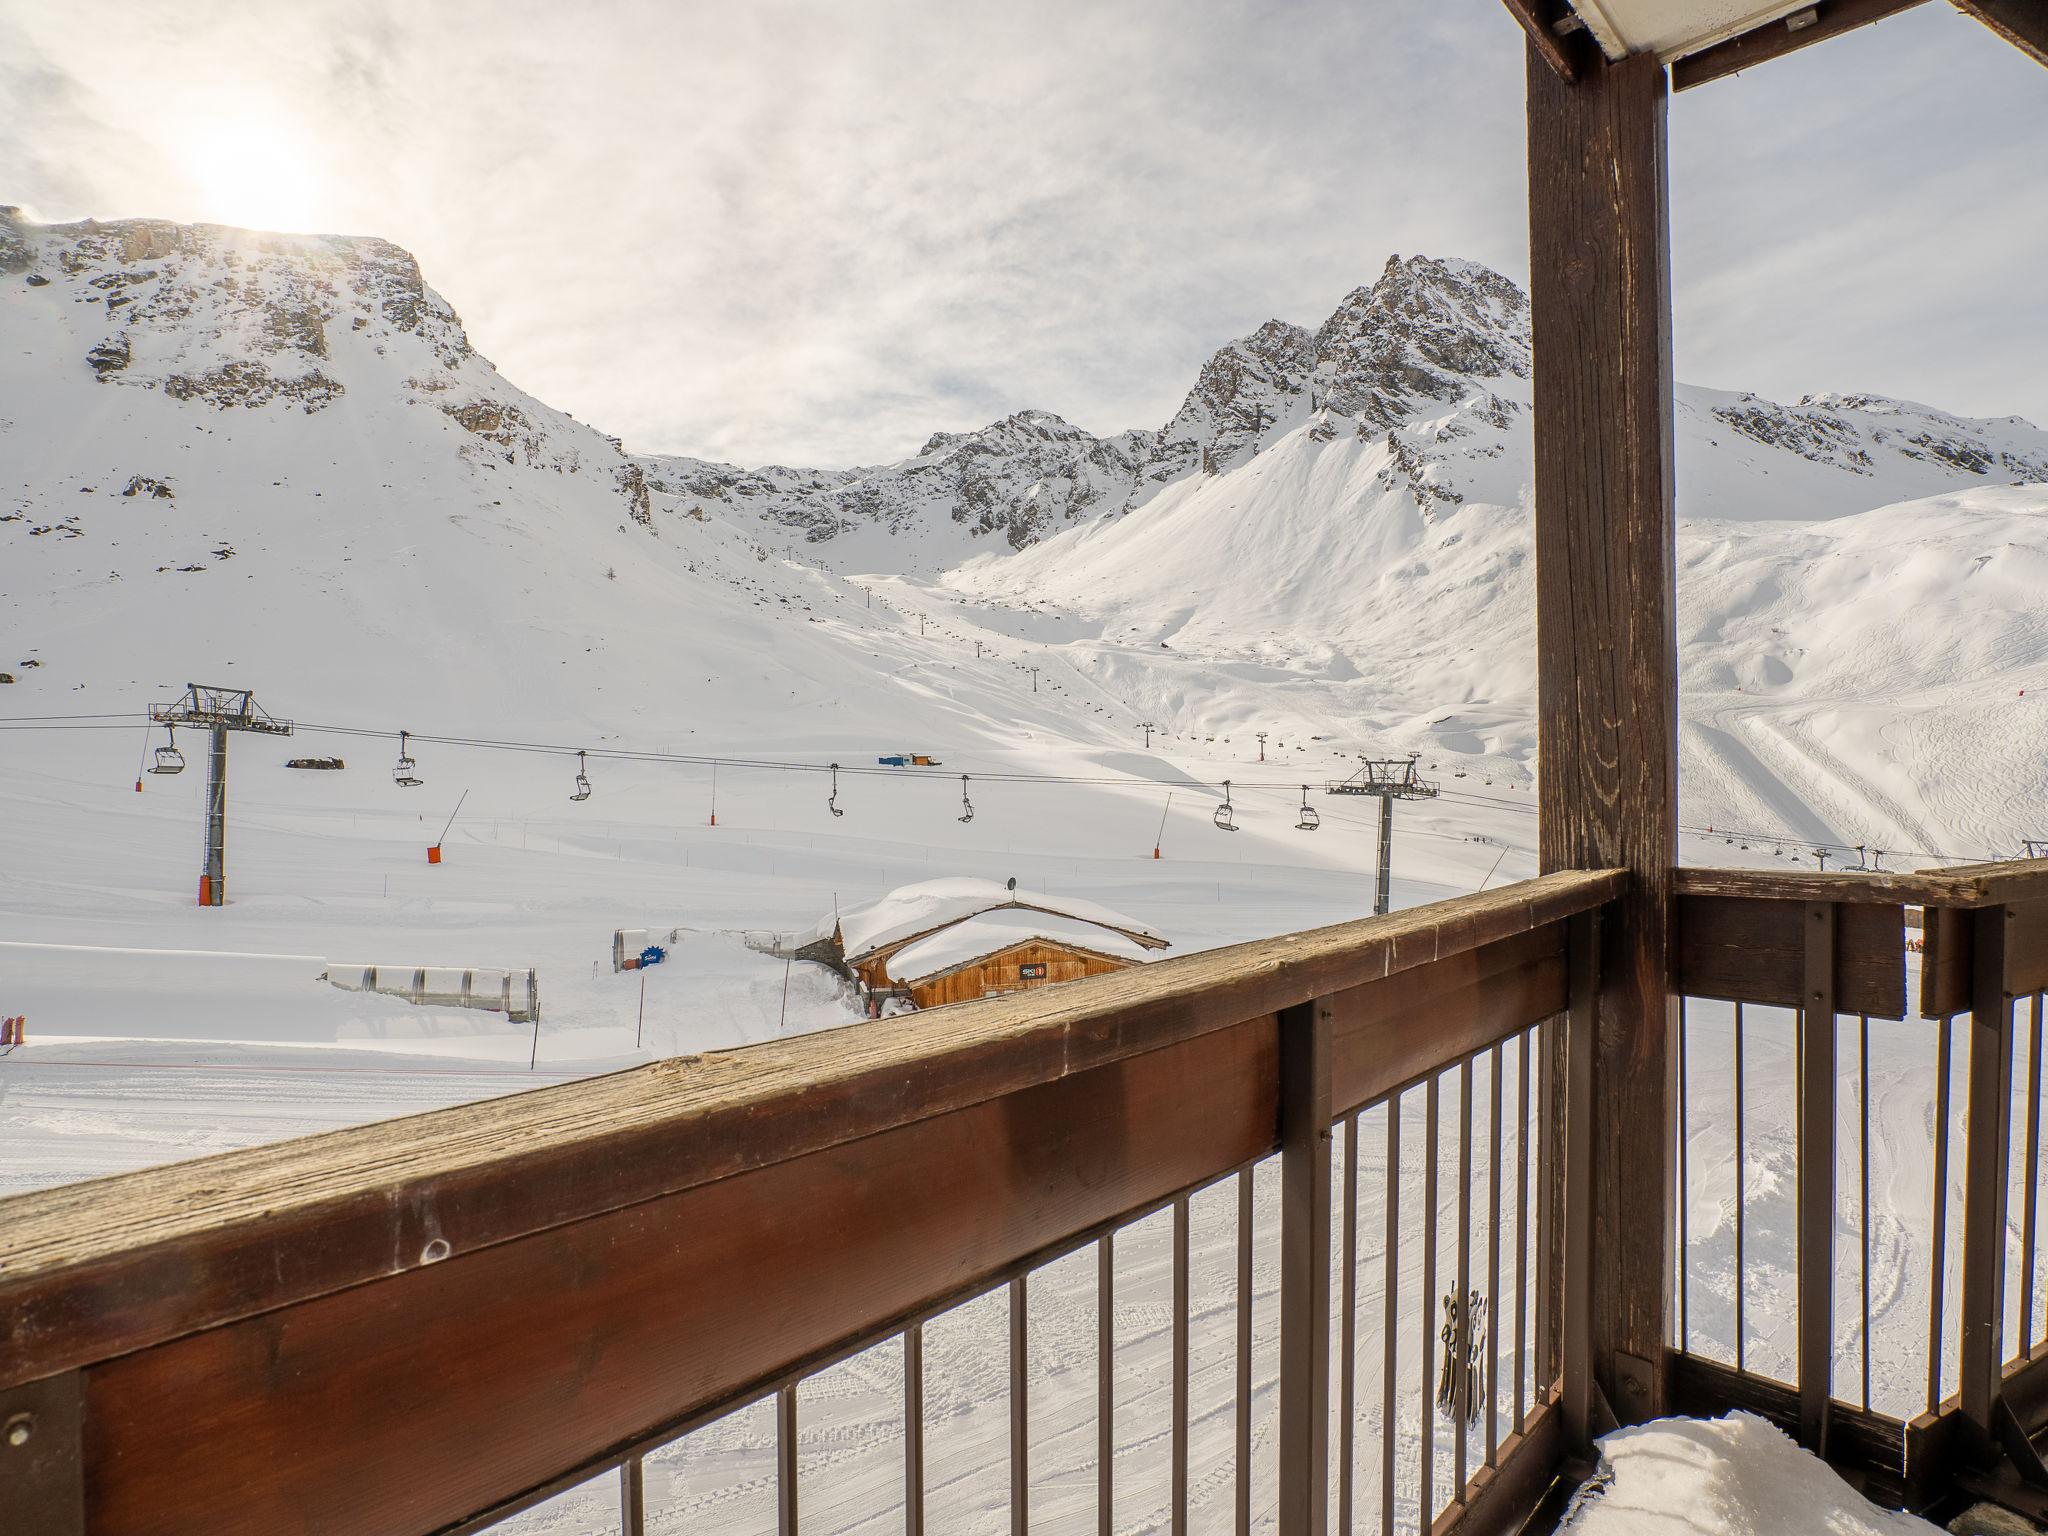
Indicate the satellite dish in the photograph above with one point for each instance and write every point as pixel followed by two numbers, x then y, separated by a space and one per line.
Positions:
pixel 1013 882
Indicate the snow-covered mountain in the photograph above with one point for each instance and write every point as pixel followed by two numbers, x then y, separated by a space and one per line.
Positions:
pixel 228 455
pixel 1012 483
pixel 1430 362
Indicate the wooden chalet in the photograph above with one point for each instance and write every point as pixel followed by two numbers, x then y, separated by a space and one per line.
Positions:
pixel 427 1325
pixel 955 940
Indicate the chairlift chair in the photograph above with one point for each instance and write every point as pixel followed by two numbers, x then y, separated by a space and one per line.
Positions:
pixel 832 800
pixel 582 781
pixel 1225 811
pixel 966 805
pixel 169 759
pixel 1309 819
pixel 404 772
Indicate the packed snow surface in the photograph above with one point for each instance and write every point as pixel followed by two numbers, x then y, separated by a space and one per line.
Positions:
pixel 1735 1476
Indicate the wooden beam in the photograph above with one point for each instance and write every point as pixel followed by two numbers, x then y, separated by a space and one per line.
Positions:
pixel 1387 1033
pixel 99 1268
pixel 1539 20
pixel 399 1407
pixel 1746 949
pixel 1775 39
pixel 1607 674
pixel 2023 23
pixel 1959 885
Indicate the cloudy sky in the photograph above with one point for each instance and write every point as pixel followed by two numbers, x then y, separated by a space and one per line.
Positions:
pixel 815 231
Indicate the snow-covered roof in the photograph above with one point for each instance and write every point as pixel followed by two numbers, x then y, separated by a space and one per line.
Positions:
pixel 910 910
pixel 973 938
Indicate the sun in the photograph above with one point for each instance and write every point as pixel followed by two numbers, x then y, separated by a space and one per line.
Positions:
pixel 254 174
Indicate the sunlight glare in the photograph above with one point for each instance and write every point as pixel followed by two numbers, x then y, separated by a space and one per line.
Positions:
pixel 254 173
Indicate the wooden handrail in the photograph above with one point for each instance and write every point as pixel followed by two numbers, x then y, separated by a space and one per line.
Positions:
pixel 104 1267
pixel 1959 885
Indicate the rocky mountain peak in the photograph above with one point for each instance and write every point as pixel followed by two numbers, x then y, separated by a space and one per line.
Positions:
pixel 1427 329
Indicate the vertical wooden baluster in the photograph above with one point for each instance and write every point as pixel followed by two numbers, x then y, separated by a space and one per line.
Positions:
pixel 1684 1191
pixel 1987 1159
pixel 1390 1322
pixel 1020 1453
pixel 1581 1031
pixel 1105 1383
pixel 2032 1166
pixel 1304 1477
pixel 1428 1308
pixel 1863 1158
pixel 1493 1261
pixel 1938 1268
pixel 1460 1336
pixel 913 1430
pixel 1179 1441
pixel 632 1498
pixel 1522 1045
pixel 1347 1326
pixel 1244 1352
pixel 1741 1183
pixel 1549 1263
pixel 1816 1186
pixel 785 1461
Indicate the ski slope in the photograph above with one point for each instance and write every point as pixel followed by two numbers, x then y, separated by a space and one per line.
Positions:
pixel 277 463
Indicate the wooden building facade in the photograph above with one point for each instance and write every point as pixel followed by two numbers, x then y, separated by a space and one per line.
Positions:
pixel 1017 968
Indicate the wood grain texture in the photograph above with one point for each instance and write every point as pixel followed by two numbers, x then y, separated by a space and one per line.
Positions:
pixel 1536 18
pixel 1753 950
pixel 2023 23
pixel 1387 1033
pixel 1774 40
pixel 95 1269
pixel 1961 885
pixel 1607 659
pixel 401 1406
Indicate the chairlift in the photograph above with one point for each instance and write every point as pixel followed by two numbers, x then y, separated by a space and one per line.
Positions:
pixel 404 772
pixel 582 781
pixel 169 759
pixel 832 800
pixel 1309 819
pixel 966 805
pixel 1225 811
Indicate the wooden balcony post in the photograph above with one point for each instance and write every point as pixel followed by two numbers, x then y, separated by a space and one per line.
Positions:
pixel 1607 650
pixel 1986 1159
pixel 1305 1269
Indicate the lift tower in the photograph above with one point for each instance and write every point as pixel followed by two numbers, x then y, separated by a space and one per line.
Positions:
pixel 1391 779
pixel 218 710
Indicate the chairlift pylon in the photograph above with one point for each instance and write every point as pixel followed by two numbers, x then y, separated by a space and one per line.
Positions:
pixel 1225 811
pixel 966 805
pixel 832 800
pixel 404 772
pixel 1309 819
pixel 168 759
pixel 582 781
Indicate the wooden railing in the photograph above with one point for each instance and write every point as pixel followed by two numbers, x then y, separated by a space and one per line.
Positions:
pixel 1789 965
pixel 428 1324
